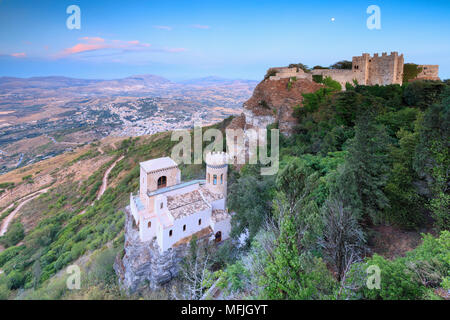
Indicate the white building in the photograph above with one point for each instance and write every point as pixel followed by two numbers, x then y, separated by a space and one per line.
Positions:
pixel 172 211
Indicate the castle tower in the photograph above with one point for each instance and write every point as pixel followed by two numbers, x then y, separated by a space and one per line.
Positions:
pixel 216 172
pixel 360 68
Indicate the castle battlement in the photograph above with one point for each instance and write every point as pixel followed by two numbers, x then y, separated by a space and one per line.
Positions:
pixel 367 70
pixel 378 69
pixel 216 158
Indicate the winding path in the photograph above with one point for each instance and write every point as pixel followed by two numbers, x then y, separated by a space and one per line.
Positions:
pixel 5 223
pixel 104 183
pixel 105 178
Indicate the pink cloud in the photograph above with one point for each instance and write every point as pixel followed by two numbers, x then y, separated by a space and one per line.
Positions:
pixel 83 47
pixel 93 39
pixel 97 43
pixel 19 55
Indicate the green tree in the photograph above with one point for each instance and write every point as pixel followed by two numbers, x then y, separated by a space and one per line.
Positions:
pixel 423 94
pixel 342 239
pixel 292 180
pixel 368 165
pixel 406 204
pixel 250 197
pixel 14 234
pixel 432 160
pixel 292 275
pixel 343 64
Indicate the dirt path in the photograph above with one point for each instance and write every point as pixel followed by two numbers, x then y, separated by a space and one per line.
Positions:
pixel 5 223
pixel 104 182
pixel 105 178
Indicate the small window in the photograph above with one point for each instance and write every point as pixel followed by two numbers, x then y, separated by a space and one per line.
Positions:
pixel 221 178
pixel 162 205
pixel 184 228
pixel 170 233
pixel 214 179
pixel 149 224
pixel 162 182
pixel 209 178
pixel 199 221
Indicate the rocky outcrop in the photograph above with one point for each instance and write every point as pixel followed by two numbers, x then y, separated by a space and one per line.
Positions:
pixel 141 263
pixel 273 100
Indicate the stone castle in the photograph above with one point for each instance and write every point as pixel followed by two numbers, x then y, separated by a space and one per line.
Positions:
pixel 369 70
pixel 170 211
pixel 166 214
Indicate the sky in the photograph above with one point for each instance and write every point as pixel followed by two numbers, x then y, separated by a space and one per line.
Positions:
pixel 230 39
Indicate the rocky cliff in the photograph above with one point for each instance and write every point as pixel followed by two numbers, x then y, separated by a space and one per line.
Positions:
pixel 273 100
pixel 142 264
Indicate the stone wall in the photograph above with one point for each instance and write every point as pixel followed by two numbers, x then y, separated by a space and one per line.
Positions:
pixel 382 70
pixel 286 72
pixel 367 70
pixel 429 72
pixel 340 75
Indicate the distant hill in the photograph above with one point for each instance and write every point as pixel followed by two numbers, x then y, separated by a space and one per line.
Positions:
pixel 136 84
pixel 208 81
pixel 41 117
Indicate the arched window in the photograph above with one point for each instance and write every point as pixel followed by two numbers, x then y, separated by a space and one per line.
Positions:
pixel 184 228
pixel 149 225
pixel 218 236
pixel 214 179
pixel 170 233
pixel 209 178
pixel 221 178
pixel 199 221
pixel 162 182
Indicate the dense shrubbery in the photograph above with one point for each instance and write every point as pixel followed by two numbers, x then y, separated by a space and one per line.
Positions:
pixel 13 236
pixel 411 277
pixel 365 156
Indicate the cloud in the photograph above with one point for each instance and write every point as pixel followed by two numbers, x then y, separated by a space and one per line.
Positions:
pixel 19 55
pixel 83 47
pixel 199 26
pixel 93 39
pixel 163 28
pixel 97 43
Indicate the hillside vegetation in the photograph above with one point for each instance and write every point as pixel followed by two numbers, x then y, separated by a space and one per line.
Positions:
pixel 364 167
pixel 62 227
pixel 360 162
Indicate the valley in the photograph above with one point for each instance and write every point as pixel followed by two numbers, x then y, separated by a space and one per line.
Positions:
pixel 43 117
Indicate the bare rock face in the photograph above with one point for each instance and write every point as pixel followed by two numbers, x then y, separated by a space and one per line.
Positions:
pixel 143 264
pixel 273 100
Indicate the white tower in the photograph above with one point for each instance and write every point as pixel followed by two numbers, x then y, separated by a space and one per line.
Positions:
pixel 216 172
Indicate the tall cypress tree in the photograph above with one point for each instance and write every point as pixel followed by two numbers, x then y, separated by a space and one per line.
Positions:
pixel 368 164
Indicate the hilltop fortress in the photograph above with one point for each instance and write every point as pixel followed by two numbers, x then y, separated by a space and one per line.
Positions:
pixel 366 70
pixel 282 89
